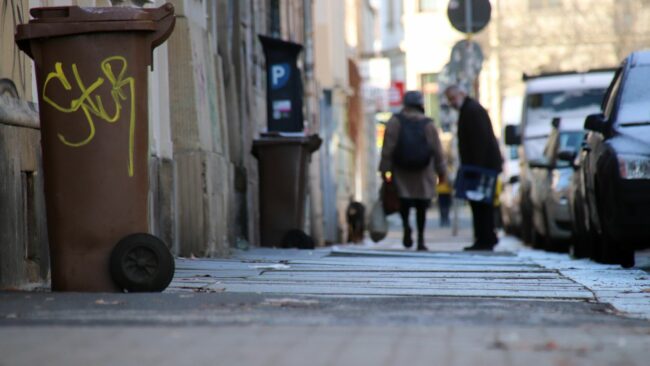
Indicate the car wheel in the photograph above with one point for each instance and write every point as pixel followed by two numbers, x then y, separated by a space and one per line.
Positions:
pixel 538 241
pixel 615 252
pixel 608 253
pixel 526 233
pixel 526 222
pixel 580 243
pixel 577 246
pixel 626 258
pixel 596 248
pixel 612 250
pixel 551 244
pixel 142 263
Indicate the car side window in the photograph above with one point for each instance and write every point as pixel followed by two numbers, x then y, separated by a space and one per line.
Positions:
pixel 612 96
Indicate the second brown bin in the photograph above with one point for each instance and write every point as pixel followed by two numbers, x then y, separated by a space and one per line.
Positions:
pixel 283 171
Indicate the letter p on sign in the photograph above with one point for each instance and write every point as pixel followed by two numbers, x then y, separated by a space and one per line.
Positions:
pixel 279 74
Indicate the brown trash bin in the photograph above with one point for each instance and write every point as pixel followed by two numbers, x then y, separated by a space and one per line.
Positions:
pixel 91 74
pixel 283 169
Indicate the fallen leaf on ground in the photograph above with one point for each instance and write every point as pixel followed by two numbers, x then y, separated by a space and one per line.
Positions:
pixel 104 302
pixel 287 302
pixel 499 344
pixel 271 266
pixel 548 346
pixel 209 290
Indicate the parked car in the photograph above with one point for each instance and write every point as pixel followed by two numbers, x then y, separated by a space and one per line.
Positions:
pixel 509 198
pixel 510 214
pixel 550 186
pixel 582 235
pixel 569 96
pixel 616 165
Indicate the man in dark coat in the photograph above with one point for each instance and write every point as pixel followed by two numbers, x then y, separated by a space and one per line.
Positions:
pixel 477 146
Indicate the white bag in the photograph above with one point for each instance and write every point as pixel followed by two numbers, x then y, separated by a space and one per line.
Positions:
pixel 378 225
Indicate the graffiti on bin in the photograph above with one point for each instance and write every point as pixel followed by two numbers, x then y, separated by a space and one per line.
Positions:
pixel 92 105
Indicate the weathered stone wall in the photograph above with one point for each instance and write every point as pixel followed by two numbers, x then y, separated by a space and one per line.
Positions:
pixel 218 107
pixel 14 64
pixel 24 256
pixel 577 35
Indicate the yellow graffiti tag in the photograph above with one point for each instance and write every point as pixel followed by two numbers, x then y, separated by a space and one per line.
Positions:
pixel 95 107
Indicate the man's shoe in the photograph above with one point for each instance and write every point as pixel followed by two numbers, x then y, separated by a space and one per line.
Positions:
pixel 407 240
pixel 479 247
pixel 421 246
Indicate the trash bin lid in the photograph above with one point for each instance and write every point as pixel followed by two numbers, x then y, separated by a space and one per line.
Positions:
pixel 76 14
pixel 312 143
pixel 73 20
pixel 281 141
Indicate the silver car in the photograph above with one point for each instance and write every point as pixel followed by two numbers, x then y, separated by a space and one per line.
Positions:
pixel 550 189
pixel 509 205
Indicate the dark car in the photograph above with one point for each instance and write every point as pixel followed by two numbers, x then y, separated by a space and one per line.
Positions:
pixel 615 165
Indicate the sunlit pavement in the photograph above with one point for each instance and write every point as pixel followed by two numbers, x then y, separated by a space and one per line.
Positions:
pixel 351 271
pixel 386 269
pixel 362 304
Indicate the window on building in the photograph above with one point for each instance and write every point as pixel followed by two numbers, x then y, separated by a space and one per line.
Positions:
pixel 430 90
pixel 544 4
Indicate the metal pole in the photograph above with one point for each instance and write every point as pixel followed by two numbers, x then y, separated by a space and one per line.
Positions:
pixel 468 19
pixel 469 29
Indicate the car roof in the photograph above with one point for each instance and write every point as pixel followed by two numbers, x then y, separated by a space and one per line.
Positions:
pixel 572 81
pixel 640 58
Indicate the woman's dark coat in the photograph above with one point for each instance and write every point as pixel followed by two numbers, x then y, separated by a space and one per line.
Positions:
pixel 413 184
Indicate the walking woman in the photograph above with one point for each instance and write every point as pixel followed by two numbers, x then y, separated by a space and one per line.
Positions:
pixel 410 158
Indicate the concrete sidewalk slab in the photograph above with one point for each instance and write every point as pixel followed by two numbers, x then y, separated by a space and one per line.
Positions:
pixel 385 273
pixel 287 346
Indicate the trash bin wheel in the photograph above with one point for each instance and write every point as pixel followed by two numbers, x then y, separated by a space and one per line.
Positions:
pixel 142 263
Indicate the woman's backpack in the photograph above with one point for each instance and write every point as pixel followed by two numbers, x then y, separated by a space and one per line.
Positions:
pixel 412 151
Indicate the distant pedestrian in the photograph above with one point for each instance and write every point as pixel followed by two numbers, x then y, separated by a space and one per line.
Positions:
pixel 411 157
pixel 444 203
pixel 477 146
